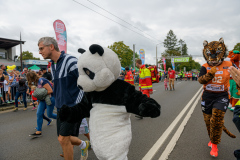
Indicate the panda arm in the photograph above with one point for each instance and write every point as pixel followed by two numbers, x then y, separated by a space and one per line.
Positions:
pixel 205 77
pixel 78 112
pixel 140 104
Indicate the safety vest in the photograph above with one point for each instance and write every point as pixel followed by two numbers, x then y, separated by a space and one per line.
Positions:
pixel 145 81
pixel 220 83
pixel 129 78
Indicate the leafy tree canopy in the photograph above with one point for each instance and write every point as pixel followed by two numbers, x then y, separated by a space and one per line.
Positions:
pixel 125 54
pixel 27 55
pixel 237 47
pixel 178 48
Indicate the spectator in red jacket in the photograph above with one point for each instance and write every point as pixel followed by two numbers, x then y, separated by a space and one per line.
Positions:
pixel 171 74
pixel 128 76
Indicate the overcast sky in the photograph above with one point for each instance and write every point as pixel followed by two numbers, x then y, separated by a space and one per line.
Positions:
pixel 191 20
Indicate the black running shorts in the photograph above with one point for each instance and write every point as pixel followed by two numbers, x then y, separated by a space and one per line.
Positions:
pixel 214 100
pixel 67 129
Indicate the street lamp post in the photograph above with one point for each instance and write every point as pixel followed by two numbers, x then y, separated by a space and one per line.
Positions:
pixel 156 54
pixel 133 56
pixel 21 51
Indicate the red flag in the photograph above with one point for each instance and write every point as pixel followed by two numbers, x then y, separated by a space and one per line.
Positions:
pixel 164 63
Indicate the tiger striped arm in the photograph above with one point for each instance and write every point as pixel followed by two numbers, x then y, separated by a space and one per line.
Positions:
pixel 204 79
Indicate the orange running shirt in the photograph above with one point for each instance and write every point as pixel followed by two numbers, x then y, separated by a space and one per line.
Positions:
pixel 220 83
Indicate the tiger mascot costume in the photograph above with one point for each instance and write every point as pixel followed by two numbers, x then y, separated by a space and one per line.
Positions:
pixel 215 77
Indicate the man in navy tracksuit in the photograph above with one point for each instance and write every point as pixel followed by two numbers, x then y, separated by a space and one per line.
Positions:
pixel 64 76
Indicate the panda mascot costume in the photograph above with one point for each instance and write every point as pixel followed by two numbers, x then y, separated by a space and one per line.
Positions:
pixel 108 102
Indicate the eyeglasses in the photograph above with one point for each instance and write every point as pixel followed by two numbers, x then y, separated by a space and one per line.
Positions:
pixel 41 48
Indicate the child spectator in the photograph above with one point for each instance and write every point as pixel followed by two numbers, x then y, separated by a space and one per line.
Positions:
pixel 6 86
pixel 17 75
pixel 34 99
pixel 166 84
pixel 21 89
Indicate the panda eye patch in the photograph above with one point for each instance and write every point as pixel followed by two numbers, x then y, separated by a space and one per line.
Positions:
pixel 90 74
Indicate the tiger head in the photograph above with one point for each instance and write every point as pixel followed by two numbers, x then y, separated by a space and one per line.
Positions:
pixel 214 52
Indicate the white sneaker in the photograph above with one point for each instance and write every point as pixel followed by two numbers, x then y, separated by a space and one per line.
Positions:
pixel 229 106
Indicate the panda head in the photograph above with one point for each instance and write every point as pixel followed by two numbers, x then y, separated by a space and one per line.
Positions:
pixel 98 68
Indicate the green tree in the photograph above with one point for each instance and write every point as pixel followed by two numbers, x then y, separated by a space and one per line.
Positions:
pixel 171 41
pixel 237 47
pixel 183 47
pixel 181 43
pixel 125 54
pixel 27 55
pixel 184 50
pixel 177 48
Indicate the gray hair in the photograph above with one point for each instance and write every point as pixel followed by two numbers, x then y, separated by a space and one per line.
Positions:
pixel 48 41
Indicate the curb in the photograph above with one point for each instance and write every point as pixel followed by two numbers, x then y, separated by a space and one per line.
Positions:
pixel 12 107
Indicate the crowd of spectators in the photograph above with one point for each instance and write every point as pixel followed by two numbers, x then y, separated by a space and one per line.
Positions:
pixel 9 78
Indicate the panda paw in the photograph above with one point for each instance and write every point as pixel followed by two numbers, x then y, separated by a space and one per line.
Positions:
pixel 149 110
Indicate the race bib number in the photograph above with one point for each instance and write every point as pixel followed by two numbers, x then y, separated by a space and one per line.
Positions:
pixel 217 79
pixel 215 87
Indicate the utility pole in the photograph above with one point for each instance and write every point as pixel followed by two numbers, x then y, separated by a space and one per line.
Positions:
pixel 21 51
pixel 156 57
pixel 156 54
pixel 133 56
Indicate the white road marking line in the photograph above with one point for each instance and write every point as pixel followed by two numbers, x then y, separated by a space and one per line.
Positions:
pixel 154 90
pixel 150 154
pixel 178 133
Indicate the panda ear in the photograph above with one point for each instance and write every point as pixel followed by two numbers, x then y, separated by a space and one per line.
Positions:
pixel 80 50
pixel 96 48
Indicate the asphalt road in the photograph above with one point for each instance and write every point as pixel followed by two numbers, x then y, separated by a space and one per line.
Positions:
pixel 178 134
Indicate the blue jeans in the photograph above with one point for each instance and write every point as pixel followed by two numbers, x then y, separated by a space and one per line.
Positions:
pixel 40 112
pixel 24 98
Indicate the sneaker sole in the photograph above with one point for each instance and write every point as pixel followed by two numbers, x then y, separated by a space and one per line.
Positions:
pixel 50 123
pixel 213 156
pixel 84 157
pixel 34 136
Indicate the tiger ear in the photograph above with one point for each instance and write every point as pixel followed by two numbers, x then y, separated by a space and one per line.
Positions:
pixel 205 43
pixel 221 40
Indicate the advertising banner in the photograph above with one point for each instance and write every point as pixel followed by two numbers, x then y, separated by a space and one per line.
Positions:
pixel 142 55
pixel 183 59
pixel 61 35
pixel 173 65
pixel 164 63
